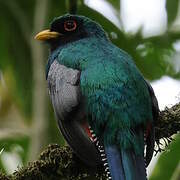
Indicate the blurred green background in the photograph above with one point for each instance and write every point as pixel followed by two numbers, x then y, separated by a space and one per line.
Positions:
pixel 149 30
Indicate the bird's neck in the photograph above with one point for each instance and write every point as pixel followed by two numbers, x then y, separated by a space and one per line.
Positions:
pixel 86 46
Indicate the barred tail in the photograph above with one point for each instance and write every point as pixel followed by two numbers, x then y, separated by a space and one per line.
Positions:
pixel 120 164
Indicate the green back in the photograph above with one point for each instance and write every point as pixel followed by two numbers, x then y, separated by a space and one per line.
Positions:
pixel 117 97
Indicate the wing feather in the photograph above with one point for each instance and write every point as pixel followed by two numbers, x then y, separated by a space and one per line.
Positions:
pixel 150 141
pixel 64 90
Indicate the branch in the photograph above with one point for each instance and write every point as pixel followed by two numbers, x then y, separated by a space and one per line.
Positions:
pixel 168 122
pixel 57 162
pixel 167 125
pixel 72 6
pixel 39 104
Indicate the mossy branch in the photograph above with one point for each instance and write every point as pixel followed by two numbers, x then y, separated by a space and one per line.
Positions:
pixel 60 163
pixel 167 125
pixel 168 122
pixel 56 163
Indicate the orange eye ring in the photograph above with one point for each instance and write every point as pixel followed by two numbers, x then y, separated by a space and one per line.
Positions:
pixel 70 25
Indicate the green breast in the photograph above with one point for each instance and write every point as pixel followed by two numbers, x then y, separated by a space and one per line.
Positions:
pixel 117 97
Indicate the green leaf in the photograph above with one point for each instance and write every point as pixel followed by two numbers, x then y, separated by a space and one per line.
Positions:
pixel 115 4
pixel 167 162
pixel 172 10
pixel 16 56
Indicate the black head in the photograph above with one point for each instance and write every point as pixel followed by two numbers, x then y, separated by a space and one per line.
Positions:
pixel 69 28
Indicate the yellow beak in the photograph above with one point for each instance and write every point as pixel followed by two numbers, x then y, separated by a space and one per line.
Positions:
pixel 46 35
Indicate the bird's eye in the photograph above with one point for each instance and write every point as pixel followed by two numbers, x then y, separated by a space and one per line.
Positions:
pixel 70 25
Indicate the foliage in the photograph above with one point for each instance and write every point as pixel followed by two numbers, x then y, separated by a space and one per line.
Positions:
pixel 168 163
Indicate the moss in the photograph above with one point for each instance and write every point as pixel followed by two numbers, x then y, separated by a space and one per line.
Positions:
pixel 4 177
pixel 56 163
pixel 168 124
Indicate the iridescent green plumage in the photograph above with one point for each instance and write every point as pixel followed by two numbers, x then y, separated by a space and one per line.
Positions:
pixel 117 99
pixel 116 93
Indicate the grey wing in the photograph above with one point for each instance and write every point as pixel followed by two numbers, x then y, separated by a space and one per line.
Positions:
pixel 64 90
pixel 150 140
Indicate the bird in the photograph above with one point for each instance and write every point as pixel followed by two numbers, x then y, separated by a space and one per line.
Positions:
pixel 104 107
